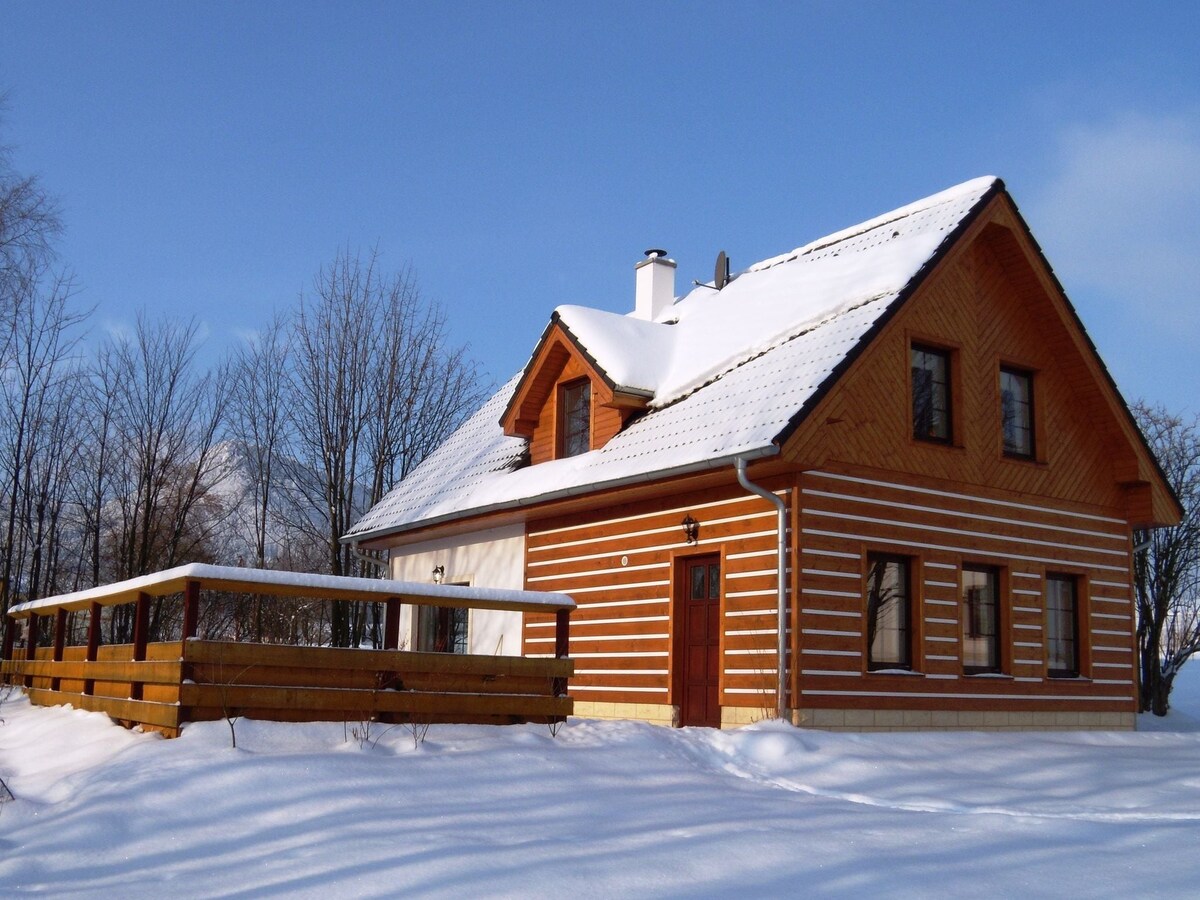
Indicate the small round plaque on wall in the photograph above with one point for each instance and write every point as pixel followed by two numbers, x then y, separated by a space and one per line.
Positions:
pixel 624 560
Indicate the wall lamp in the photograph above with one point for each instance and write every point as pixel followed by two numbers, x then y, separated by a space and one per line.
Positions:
pixel 439 573
pixel 691 528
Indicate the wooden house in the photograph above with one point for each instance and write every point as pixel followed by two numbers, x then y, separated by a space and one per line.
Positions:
pixel 881 481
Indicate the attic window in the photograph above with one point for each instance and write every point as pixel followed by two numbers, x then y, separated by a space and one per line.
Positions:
pixel 931 394
pixel 574 418
pixel 1016 412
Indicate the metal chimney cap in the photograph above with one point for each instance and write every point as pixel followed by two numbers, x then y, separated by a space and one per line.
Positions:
pixel 654 253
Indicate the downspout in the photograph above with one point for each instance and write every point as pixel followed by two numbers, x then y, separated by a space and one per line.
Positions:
pixel 781 579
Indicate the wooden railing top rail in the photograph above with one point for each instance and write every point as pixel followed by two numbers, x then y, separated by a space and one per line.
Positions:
pixel 295 584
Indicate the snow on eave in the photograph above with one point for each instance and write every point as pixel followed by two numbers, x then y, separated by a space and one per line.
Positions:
pixel 573 490
pixel 305 584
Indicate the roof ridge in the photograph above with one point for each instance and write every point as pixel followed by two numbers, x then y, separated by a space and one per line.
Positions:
pixel 860 228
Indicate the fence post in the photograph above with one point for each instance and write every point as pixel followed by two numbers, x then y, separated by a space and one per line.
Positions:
pixel 141 625
pixel 93 645
pixel 562 633
pixel 391 624
pixel 10 636
pixel 31 645
pixel 191 608
pixel 60 639
pixel 562 646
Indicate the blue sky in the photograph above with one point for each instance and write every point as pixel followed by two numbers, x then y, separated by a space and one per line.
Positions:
pixel 210 157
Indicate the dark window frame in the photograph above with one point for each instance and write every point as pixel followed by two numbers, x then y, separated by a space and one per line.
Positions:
pixel 873 583
pixel 1073 616
pixel 1013 449
pixel 974 620
pixel 574 425
pixel 917 389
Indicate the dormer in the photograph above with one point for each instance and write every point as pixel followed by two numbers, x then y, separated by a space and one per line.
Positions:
pixel 566 404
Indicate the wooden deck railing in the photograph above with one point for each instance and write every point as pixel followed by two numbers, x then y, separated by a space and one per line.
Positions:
pixel 163 685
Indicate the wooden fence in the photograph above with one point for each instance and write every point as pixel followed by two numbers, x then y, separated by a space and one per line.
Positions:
pixel 163 685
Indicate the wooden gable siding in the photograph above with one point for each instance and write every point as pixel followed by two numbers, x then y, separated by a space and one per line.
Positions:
pixel 618 564
pixel 973 307
pixel 606 420
pixel 847 512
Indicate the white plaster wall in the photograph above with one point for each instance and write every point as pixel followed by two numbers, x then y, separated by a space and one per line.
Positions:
pixel 493 558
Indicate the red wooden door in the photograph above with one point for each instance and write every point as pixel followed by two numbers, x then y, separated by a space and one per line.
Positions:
pixel 700 644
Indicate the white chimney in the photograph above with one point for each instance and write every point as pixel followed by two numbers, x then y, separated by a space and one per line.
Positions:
pixel 655 288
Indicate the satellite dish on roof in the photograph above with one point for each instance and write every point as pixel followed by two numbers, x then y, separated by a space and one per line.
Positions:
pixel 721 275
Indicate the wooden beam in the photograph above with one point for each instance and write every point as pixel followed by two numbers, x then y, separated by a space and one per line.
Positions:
pixel 31 640
pixel 60 638
pixel 191 608
pixel 562 647
pixel 391 625
pixel 562 633
pixel 118 670
pixel 358 702
pixel 93 643
pixel 230 654
pixel 10 636
pixel 141 629
pixel 141 711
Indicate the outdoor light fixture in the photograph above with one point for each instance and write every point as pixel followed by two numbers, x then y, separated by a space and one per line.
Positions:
pixel 439 572
pixel 691 528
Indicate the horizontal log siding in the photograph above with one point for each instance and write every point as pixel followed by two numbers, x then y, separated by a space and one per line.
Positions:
pixel 617 564
pixel 284 683
pixel 846 514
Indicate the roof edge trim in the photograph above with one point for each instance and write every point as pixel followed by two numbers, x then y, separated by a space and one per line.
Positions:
pixel 702 466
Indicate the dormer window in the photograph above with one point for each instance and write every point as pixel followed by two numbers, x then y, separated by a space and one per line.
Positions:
pixel 574 418
pixel 564 404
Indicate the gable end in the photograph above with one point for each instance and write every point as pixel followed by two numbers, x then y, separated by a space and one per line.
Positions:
pixel 881 323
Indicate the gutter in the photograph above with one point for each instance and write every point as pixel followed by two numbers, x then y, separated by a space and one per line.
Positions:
pixel 781 583
pixel 382 564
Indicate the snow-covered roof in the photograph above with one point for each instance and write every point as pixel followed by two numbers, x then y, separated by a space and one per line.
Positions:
pixel 726 371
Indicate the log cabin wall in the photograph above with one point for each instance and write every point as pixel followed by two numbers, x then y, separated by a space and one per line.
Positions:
pixel 870 486
pixel 847 513
pixel 866 485
pixel 619 565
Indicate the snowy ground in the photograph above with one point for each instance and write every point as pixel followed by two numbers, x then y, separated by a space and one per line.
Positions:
pixel 603 810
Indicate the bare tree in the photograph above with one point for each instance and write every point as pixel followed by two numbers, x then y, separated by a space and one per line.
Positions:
pixel 29 224
pixel 419 385
pixel 1167 569
pixel 165 455
pixel 35 405
pixel 94 474
pixel 259 423
pixel 375 389
pixel 335 333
